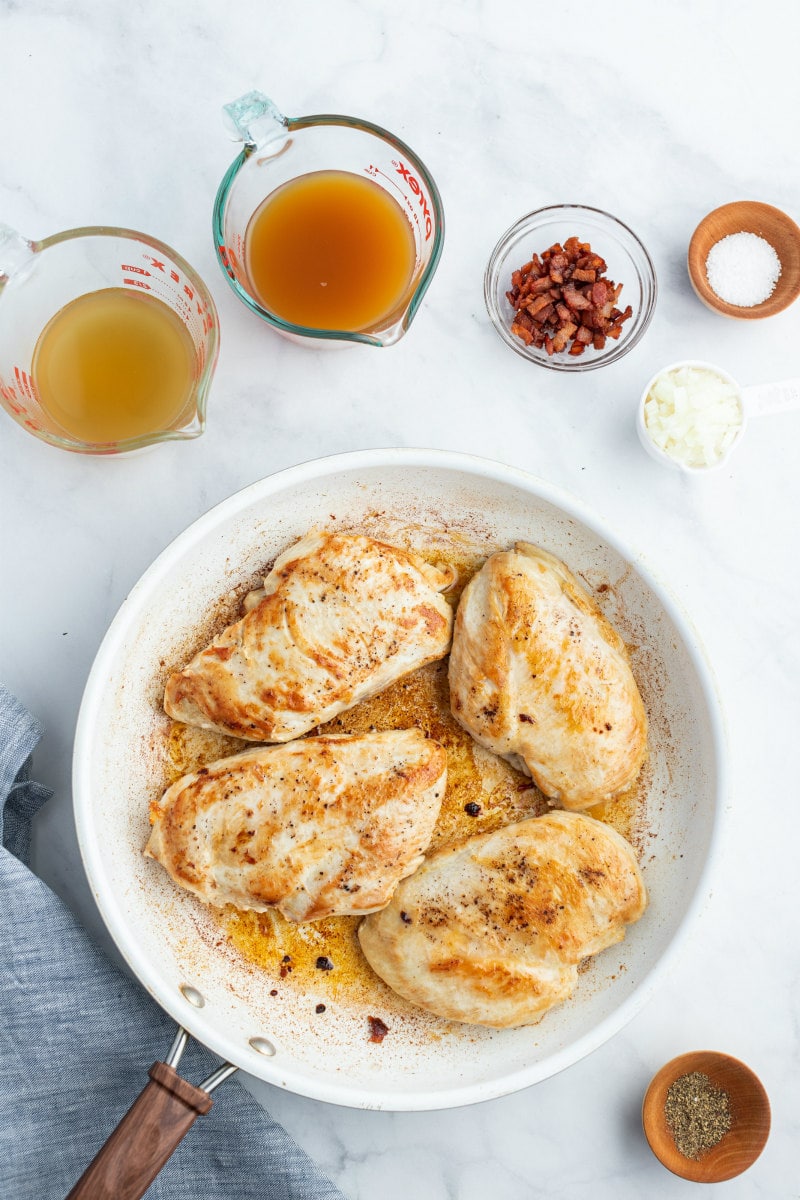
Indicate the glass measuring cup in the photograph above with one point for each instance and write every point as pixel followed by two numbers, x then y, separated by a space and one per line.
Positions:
pixel 756 400
pixel 37 279
pixel 278 149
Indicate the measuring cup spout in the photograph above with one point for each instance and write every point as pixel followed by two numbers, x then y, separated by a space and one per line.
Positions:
pixel 16 252
pixel 256 121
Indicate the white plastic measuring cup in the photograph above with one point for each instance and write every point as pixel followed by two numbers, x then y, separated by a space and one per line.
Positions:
pixel 755 401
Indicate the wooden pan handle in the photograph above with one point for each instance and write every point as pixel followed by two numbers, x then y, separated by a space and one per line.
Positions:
pixel 147 1135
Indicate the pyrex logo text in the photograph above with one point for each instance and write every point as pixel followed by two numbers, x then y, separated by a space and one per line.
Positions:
pixel 413 183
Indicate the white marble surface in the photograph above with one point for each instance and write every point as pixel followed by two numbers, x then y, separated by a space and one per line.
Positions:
pixel 110 113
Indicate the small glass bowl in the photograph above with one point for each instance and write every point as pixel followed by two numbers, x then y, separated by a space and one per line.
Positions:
pixel 628 264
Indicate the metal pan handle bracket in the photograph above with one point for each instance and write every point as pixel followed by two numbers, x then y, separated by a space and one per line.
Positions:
pixel 150 1131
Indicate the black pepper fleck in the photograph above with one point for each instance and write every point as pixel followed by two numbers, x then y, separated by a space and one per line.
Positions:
pixel 472 809
pixel 323 963
pixel 320 1008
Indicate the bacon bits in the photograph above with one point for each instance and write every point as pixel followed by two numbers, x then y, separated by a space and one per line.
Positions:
pixel 377 1029
pixel 564 301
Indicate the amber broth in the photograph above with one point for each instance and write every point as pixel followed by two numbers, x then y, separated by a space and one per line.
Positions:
pixel 330 250
pixel 285 951
pixel 114 364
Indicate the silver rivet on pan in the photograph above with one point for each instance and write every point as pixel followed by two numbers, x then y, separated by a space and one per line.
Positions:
pixel 263 1046
pixel 192 995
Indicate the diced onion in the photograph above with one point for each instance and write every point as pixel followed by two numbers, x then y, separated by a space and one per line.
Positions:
pixel 693 415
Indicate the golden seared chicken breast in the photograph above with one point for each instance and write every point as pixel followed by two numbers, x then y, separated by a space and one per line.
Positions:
pixel 322 827
pixel 338 619
pixel 491 932
pixel 539 676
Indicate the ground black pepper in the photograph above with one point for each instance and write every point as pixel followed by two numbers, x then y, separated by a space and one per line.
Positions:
pixel 323 963
pixel 698 1114
pixel 472 809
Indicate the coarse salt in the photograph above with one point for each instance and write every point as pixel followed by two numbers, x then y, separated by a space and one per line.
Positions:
pixel 742 269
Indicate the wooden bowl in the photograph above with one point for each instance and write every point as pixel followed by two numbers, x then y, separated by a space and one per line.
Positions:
pixel 750 1117
pixel 748 216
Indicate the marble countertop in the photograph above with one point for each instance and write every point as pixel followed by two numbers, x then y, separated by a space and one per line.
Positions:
pixel 111 115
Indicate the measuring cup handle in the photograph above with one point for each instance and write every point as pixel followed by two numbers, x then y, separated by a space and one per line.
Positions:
pixel 15 252
pixel 255 120
pixel 765 398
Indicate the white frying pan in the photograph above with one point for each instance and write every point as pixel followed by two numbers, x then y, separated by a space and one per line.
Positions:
pixel 172 944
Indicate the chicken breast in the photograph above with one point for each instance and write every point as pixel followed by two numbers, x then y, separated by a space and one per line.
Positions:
pixel 539 676
pixel 338 619
pixel 491 932
pixel 322 827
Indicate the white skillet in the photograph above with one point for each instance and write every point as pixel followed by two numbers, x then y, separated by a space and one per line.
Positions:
pixel 166 936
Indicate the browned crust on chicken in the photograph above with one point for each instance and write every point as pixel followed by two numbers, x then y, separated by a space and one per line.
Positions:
pixel 339 618
pixel 492 931
pixel 540 676
pixel 323 826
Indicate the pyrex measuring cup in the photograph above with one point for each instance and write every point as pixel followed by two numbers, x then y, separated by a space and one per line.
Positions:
pixel 756 400
pixel 37 279
pixel 278 149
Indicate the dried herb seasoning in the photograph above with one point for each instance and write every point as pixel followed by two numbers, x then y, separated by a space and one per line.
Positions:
pixel 698 1114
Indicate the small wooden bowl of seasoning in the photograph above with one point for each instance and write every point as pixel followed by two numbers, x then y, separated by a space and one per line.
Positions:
pixel 744 260
pixel 706 1116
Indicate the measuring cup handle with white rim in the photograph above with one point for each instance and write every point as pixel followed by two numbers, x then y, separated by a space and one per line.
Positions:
pixel 764 398
pixel 16 252
pixel 150 1132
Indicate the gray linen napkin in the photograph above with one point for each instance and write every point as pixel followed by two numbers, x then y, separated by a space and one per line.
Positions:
pixel 77 1038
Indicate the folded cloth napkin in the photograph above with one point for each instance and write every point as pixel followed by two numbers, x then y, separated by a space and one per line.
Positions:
pixel 77 1038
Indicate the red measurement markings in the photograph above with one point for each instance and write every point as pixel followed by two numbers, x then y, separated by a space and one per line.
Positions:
pixel 230 260
pixel 9 394
pixel 225 254
pixel 135 271
pixel 415 187
pixel 204 313
pixel 26 384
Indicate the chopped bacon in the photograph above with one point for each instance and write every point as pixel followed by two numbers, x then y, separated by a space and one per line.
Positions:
pixel 535 306
pixel 378 1029
pixel 563 300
